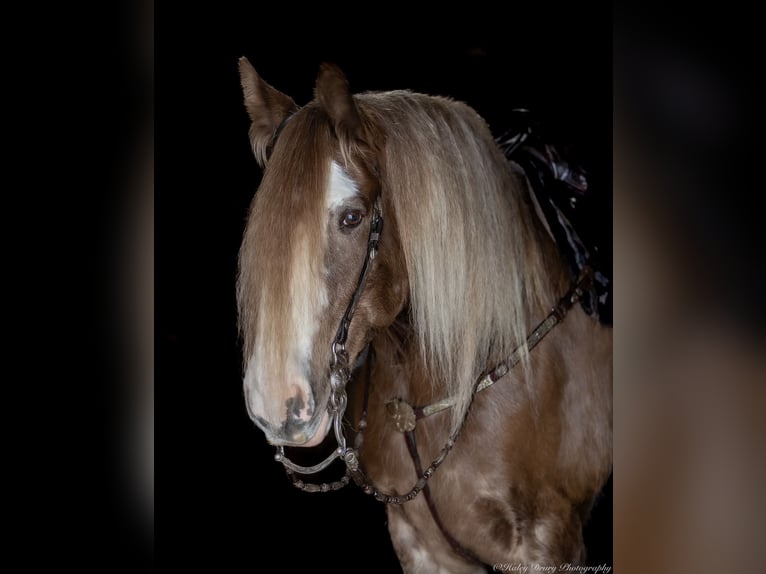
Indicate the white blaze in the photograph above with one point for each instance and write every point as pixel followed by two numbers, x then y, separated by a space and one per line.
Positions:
pixel 341 187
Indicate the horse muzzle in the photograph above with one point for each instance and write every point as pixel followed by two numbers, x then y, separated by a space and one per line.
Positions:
pixel 300 423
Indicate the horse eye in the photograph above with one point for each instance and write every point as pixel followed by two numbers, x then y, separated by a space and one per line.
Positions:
pixel 351 219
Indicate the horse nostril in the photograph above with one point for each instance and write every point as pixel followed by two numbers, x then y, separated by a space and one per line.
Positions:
pixel 297 407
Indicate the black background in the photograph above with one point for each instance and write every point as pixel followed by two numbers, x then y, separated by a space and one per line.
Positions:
pixel 220 497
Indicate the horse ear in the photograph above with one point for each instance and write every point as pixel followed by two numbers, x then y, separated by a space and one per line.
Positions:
pixel 266 106
pixel 333 94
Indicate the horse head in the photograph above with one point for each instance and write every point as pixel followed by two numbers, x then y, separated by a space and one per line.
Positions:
pixel 303 248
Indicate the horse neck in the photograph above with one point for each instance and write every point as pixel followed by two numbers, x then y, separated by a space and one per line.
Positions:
pixel 403 372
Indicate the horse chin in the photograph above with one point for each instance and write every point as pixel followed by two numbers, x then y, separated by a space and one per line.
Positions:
pixel 321 432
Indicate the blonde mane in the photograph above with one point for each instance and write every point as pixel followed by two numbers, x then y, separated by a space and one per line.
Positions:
pixel 472 244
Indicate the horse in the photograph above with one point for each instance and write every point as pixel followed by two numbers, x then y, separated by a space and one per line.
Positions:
pixel 396 284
